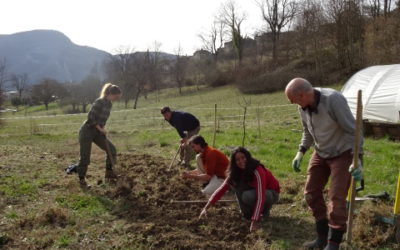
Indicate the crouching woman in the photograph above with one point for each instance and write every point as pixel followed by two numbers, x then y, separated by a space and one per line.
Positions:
pixel 255 187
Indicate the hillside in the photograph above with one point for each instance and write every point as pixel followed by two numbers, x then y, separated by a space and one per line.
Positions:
pixel 48 53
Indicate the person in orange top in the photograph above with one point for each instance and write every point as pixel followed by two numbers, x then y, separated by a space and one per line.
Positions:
pixel 211 165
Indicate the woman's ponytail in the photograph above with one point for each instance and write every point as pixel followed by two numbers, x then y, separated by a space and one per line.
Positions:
pixel 108 89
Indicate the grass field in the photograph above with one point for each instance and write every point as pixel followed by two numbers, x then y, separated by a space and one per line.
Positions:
pixel 42 208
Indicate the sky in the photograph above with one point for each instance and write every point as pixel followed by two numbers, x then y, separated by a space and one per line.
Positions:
pixel 108 25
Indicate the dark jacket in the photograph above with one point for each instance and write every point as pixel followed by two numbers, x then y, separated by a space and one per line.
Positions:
pixel 183 121
pixel 99 113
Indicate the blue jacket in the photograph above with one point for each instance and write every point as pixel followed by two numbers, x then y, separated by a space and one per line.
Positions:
pixel 183 121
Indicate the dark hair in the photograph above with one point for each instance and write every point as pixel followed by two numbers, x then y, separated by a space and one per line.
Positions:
pixel 198 140
pixel 165 110
pixel 235 172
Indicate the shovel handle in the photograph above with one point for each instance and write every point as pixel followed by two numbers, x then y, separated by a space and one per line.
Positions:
pixel 355 165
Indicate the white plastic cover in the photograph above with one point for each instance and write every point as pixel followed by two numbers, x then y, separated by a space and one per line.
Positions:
pixel 380 87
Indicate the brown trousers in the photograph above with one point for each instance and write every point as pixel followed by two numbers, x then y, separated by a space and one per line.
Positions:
pixel 319 170
pixel 187 154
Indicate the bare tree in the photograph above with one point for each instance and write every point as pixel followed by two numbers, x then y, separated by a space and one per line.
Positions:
pixel 47 91
pixel 232 18
pixel 118 68
pixel 88 90
pixel 20 83
pixel 140 71
pixel 378 7
pixel 179 69
pixel 155 69
pixel 72 97
pixel 3 74
pixel 348 32
pixel 277 14
pixel 310 32
pixel 213 40
pixel 3 78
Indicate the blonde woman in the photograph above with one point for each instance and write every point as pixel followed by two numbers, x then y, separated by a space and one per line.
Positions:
pixel 93 130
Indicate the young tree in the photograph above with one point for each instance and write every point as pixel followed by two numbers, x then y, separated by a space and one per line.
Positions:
pixel 16 102
pixel 230 16
pixel 88 91
pixel 180 67
pixel 155 69
pixel 47 91
pixel 118 68
pixel 277 14
pixel 20 83
pixel 72 96
pixel 3 75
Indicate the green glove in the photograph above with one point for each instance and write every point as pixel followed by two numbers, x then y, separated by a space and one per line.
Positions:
pixel 297 161
pixel 358 172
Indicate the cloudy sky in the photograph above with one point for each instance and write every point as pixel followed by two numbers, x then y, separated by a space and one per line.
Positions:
pixel 110 24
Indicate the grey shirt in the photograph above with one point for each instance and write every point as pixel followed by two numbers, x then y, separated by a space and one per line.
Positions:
pixel 329 125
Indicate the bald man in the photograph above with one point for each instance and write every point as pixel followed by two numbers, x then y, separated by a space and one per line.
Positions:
pixel 329 125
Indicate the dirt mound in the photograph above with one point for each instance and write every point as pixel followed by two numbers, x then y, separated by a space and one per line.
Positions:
pixel 369 231
pixel 164 224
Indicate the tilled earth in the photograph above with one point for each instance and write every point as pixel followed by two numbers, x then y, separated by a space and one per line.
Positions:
pixel 155 212
pixel 141 211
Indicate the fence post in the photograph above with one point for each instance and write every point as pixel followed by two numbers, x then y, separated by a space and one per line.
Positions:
pixel 215 124
pixel 244 125
pixel 258 120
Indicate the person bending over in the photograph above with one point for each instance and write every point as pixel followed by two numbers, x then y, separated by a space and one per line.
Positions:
pixel 187 126
pixel 211 165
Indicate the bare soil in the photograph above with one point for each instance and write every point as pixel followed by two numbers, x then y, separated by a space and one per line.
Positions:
pixel 142 214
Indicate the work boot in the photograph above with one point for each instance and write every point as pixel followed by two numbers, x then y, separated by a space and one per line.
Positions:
pixel 334 239
pixel 110 175
pixel 73 168
pixel 322 238
pixel 83 183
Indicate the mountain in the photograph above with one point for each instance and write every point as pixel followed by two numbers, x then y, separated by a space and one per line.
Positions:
pixel 49 54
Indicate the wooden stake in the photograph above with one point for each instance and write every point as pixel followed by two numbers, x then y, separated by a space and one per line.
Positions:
pixel 244 125
pixel 258 120
pixel 109 152
pixel 199 201
pixel 355 165
pixel 173 160
pixel 215 125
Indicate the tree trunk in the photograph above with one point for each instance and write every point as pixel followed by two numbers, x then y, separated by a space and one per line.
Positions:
pixel 46 104
pixel 126 103
pixel 136 98
pixel 274 49
pixel 84 107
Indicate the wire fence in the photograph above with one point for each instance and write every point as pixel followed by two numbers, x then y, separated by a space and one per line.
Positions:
pixel 150 119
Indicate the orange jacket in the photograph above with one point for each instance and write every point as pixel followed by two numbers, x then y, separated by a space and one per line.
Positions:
pixel 214 162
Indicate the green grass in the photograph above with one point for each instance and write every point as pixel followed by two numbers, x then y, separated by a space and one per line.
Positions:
pixel 85 204
pixel 63 241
